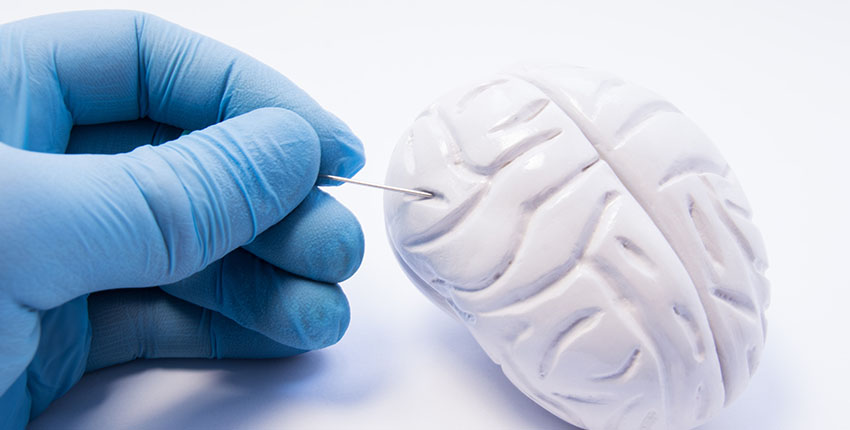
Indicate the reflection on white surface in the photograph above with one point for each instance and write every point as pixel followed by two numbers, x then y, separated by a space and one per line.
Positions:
pixel 441 379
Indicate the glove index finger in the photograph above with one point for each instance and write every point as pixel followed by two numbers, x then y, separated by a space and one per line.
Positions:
pixel 194 81
pixel 128 65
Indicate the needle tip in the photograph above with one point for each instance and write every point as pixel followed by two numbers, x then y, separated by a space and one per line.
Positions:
pixel 418 193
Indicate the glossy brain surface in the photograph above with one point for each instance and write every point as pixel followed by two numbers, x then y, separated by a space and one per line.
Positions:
pixel 593 241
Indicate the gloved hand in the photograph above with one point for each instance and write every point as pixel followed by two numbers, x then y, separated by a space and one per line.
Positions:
pixel 172 216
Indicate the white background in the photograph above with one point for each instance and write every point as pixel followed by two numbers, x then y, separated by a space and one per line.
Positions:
pixel 767 80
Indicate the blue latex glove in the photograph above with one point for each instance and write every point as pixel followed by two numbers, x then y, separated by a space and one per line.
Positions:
pixel 173 215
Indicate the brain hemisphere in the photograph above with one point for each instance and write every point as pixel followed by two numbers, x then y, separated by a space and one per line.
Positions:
pixel 593 241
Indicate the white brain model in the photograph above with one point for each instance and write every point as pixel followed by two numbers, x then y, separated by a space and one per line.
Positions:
pixel 592 239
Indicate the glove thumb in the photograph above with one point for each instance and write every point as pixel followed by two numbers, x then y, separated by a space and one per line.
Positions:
pixel 153 216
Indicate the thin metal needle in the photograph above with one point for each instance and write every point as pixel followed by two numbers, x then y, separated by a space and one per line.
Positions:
pixel 423 194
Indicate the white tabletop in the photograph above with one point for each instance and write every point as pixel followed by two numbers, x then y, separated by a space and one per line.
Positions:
pixel 767 80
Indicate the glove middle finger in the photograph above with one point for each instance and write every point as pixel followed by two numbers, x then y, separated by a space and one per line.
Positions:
pixel 293 311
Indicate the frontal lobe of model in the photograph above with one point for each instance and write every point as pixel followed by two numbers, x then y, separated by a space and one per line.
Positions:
pixel 593 241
